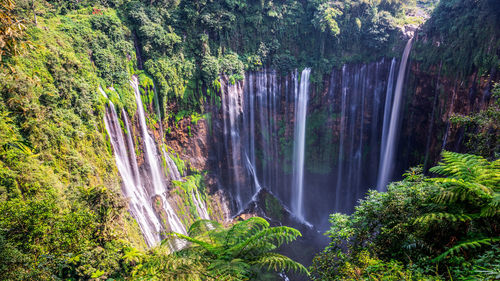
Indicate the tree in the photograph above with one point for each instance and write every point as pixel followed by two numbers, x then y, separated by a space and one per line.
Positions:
pixel 213 252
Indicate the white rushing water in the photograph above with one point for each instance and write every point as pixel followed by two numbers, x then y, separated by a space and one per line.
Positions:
pixel 231 106
pixel 386 120
pixel 155 173
pixel 389 143
pixel 341 137
pixel 139 202
pixel 301 100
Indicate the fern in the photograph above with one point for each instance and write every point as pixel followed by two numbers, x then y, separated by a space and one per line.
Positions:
pixel 276 262
pixel 213 252
pixel 467 245
pixel 438 217
pixel 469 192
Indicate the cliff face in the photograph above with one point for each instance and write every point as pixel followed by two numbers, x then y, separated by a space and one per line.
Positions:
pixel 431 100
pixel 345 119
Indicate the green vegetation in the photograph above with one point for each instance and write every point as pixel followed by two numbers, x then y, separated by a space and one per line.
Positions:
pixel 186 189
pixel 439 228
pixel 244 251
pixel 463 35
pixel 61 213
pixel 481 129
pixel 11 29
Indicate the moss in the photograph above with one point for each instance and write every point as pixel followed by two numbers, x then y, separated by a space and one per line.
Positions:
pixel 274 209
pixel 184 190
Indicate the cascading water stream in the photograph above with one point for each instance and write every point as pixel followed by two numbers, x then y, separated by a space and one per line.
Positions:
pixel 139 205
pixel 231 110
pixel 341 136
pixel 173 171
pixel 152 158
pixel 389 147
pixel 387 114
pixel 299 145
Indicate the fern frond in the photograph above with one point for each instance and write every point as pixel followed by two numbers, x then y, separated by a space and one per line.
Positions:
pixel 460 166
pixel 174 235
pixel 460 190
pixel 276 235
pixel 235 269
pixel 437 217
pixel 493 207
pixel 277 262
pixel 201 227
pixel 244 229
pixel 467 245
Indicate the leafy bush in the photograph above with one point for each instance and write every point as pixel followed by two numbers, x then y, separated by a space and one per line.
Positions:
pixel 432 225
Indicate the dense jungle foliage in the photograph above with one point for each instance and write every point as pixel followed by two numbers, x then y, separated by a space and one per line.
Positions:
pixel 184 45
pixel 62 216
pixel 432 228
pixel 461 36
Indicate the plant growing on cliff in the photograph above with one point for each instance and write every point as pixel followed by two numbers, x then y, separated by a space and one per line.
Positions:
pixel 481 129
pixel 244 251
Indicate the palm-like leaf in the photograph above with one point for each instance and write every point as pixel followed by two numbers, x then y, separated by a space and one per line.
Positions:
pixel 216 253
pixel 467 245
pixel 470 191
pixel 274 261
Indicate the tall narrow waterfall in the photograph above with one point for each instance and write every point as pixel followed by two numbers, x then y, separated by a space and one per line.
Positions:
pixel 390 145
pixel 231 107
pixel 301 100
pixel 343 109
pixel 139 204
pixel 153 160
pixel 387 116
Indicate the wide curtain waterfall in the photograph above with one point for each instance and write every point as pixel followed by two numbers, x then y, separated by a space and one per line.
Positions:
pixel 267 126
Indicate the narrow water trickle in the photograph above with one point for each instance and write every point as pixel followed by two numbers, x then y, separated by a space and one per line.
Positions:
pixel 343 120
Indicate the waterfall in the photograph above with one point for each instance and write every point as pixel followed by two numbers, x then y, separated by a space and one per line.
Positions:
pixel 264 150
pixel 389 146
pixel 249 139
pixel 301 100
pixel 139 204
pixel 262 93
pixel 341 136
pixel 231 106
pixel 374 134
pixel 359 150
pixel 153 160
pixel 387 114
